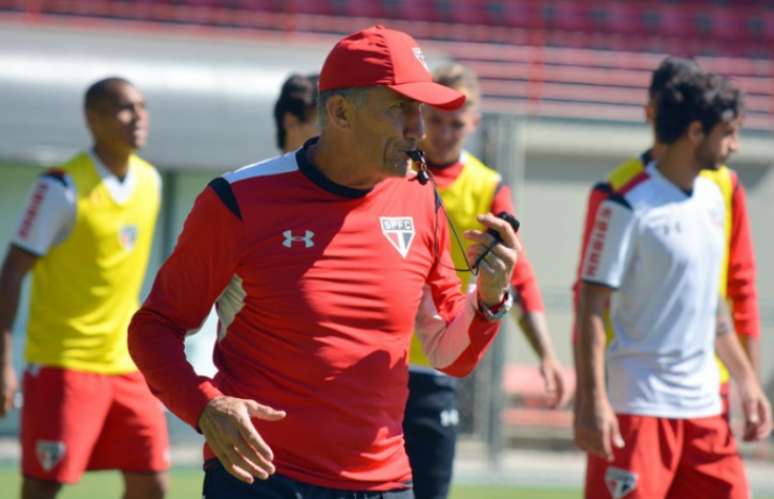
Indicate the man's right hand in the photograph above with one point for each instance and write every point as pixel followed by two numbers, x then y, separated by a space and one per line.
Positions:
pixel 596 428
pixel 8 386
pixel 225 424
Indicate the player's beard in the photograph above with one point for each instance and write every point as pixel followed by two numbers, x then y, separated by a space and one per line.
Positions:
pixel 707 158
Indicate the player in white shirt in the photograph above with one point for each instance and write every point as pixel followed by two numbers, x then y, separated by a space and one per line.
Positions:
pixel 648 410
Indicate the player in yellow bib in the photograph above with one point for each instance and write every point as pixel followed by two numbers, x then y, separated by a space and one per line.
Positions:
pixel 86 235
pixel 467 188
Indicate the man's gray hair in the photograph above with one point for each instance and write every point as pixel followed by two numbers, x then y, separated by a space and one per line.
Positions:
pixel 356 95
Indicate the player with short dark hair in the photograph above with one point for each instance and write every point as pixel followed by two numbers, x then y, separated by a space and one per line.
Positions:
pixel 322 263
pixel 737 277
pixel 648 411
pixel 467 187
pixel 295 112
pixel 86 235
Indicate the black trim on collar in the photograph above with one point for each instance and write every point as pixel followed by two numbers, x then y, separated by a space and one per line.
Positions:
pixel 313 173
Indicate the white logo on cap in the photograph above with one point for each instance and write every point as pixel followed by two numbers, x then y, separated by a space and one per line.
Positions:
pixel 420 57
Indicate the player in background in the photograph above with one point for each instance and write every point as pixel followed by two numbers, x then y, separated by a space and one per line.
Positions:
pixel 322 263
pixel 86 235
pixel 295 119
pixel 737 278
pixel 648 411
pixel 467 187
pixel 295 112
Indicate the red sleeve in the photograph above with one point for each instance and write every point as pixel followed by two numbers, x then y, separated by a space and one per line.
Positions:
pixel 456 310
pixel 523 281
pixel 741 288
pixel 598 194
pixel 185 288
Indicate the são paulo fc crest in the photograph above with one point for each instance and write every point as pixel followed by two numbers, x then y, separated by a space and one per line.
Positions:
pixel 620 481
pixel 128 236
pixel 399 231
pixel 49 453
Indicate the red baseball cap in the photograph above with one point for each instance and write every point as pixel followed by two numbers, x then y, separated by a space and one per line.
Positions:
pixel 381 56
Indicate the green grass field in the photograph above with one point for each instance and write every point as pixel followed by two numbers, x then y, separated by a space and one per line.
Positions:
pixel 186 484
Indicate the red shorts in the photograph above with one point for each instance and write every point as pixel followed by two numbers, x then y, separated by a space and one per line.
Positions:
pixel 74 421
pixel 670 459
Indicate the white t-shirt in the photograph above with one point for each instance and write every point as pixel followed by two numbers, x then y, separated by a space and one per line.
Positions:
pixel 49 215
pixel 661 249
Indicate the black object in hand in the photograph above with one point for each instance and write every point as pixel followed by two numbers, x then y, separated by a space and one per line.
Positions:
pixel 512 221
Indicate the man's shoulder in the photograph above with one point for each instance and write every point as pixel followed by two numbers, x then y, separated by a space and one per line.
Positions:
pixel 78 162
pixel 626 173
pixel 266 169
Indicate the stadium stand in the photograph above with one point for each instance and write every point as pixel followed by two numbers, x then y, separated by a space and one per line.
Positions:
pixel 550 59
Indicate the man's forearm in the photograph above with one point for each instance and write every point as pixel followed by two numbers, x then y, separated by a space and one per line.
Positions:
pixel 730 352
pixel 752 347
pixel 535 329
pixel 591 346
pixel 728 348
pixel 10 289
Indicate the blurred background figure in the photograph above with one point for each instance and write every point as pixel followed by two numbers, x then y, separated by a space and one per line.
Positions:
pixel 295 119
pixel 467 187
pixel 737 277
pixel 86 235
pixel 295 112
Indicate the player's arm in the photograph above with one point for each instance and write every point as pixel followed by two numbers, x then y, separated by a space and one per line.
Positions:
pixel 529 314
pixel 204 260
pixel 741 288
pixel 607 256
pixel 454 333
pixel 45 220
pixel 15 266
pixel 596 427
pixel 757 410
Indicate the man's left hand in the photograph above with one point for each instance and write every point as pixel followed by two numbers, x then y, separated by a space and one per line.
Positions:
pixel 757 411
pixel 496 268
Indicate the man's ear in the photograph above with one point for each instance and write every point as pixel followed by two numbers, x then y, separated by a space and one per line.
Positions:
pixel 339 111
pixel 695 132
pixel 650 112
pixel 289 121
pixel 90 116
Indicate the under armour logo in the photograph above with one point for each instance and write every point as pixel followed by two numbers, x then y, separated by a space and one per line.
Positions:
pixel 620 481
pixel 450 417
pixel 290 239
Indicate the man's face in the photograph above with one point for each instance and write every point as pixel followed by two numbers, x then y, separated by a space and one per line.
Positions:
pixel 446 132
pixel 719 144
pixel 384 128
pixel 120 119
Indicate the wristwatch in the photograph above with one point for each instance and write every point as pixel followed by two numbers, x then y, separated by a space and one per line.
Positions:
pixel 498 311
